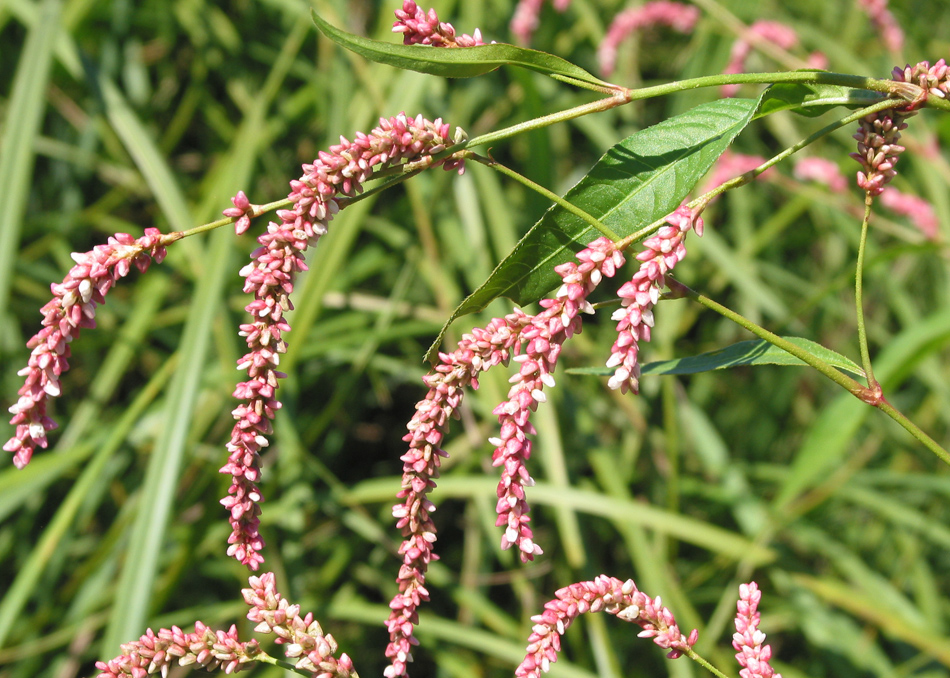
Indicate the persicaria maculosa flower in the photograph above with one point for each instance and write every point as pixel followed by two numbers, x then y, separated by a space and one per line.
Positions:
pixel 304 641
pixel 340 171
pixel 545 335
pixel 662 252
pixel 610 595
pixel 72 308
pixel 879 133
pixel 477 351
pixel 753 655
pixel 424 28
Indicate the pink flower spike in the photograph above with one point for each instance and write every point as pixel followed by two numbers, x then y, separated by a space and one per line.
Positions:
pixel 72 308
pixel 478 350
pixel 424 28
pixel 771 32
pixel 681 18
pixel 619 598
pixel 270 278
pixel 545 335
pixel 635 319
pixel 753 655
pixel 156 652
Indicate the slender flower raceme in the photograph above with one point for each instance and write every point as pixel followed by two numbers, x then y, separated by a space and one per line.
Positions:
pixel 879 133
pixel 270 279
pixel 676 15
pixel 663 251
pixel 753 655
pixel 424 28
pixel 72 308
pixel 545 335
pixel 608 594
pixel 477 351
pixel 154 653
pixel 305 642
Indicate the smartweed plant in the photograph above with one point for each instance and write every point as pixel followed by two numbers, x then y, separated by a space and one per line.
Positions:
pixel 612 244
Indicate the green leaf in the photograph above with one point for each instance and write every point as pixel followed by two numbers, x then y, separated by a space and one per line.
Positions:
pixel 753 352
pixel 638 181
pixel 812 100
pixel 456 62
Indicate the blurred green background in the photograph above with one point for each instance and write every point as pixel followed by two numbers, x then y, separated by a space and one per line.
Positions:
pixel 117 116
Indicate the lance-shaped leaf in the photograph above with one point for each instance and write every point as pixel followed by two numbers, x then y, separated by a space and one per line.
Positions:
pixel 753 352
pixel 456 62
pixel 638 181
pixel 813 99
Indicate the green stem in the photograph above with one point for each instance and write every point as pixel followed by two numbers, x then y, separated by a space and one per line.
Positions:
pixel 863 393
pixel 570 207
pixel 692 654
pixel 859 296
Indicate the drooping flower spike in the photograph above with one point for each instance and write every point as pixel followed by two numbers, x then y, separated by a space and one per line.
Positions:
pixel 545 336
pixel 340 171
pixel 72 309
pixel 661 253
pixel 608 594
pixel 477 351
pixel 305 643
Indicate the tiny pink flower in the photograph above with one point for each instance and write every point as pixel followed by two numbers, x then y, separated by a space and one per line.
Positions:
pixel 607 594
pixel 72 308
pixel 662 252
pixel 753 655
pixel 731 165
pixel 681 18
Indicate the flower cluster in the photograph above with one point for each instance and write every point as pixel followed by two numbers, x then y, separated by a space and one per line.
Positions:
pixel 154 653
pixel 72 308
pixel 920 212
pixel 879 133
pixel 676 15
pixel 663 251
pixel 885 23
pixel 270 279
pixel 544 336
pixel 424 28
pixel 304 640
pixel 748 640
pixel 620 598
pixel 477 351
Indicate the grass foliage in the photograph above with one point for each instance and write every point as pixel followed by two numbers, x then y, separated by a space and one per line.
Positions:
pixel 117 116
